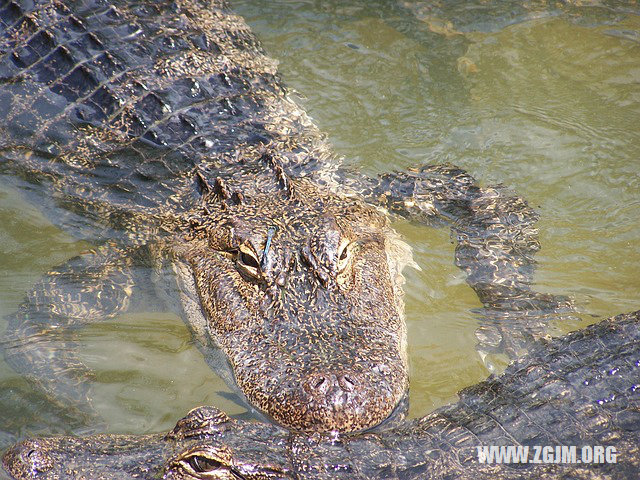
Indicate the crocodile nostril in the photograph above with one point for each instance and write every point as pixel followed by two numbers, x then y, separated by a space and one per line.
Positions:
pixel 320 382
pixel 347 384
pixel 37 461
pixel 317 384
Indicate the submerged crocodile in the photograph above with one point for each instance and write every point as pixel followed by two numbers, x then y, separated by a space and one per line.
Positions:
pixel 581 390
pixel 160 131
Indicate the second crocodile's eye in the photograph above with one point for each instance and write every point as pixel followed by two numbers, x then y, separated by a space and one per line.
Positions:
pixel 202 464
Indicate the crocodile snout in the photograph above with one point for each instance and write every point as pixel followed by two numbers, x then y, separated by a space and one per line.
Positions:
pixel 323 377
pixel 351 401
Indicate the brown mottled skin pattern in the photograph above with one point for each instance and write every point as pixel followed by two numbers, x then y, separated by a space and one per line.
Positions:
pixel 580 389
pixel 161 133
pixel 321 357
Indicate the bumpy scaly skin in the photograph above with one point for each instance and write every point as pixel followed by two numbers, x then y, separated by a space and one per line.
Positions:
pixel 165 124
pixel 581 389
pixel 160 131
pixel 299 330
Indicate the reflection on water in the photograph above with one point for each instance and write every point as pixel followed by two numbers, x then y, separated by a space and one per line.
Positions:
pixel 543 99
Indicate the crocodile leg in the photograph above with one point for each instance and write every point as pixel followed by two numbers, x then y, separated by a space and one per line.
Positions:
pixel 496 242
pixel 39 341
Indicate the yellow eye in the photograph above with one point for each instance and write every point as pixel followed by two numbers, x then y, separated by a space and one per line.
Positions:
pixel 248 262
pixel 202 464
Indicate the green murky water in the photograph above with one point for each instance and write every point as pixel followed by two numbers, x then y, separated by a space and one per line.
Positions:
pixel 544 99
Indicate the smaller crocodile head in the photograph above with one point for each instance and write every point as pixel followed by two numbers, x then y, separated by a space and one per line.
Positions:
pixel 204 445
pixel 301 288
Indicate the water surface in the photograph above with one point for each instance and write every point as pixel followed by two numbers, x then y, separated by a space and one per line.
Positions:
pixel 545 100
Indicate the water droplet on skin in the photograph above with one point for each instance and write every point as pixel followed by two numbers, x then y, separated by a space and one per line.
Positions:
pixel 611 398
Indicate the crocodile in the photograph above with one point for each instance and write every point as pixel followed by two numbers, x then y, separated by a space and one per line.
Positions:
pixel 572 394
pixel 161 133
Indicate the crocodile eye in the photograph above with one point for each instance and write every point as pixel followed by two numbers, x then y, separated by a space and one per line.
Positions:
pixel 343 256
pixel 202 464
pixel 248 261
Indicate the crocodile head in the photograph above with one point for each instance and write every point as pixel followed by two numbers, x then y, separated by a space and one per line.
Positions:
pixel 205 444
pixel 301 289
